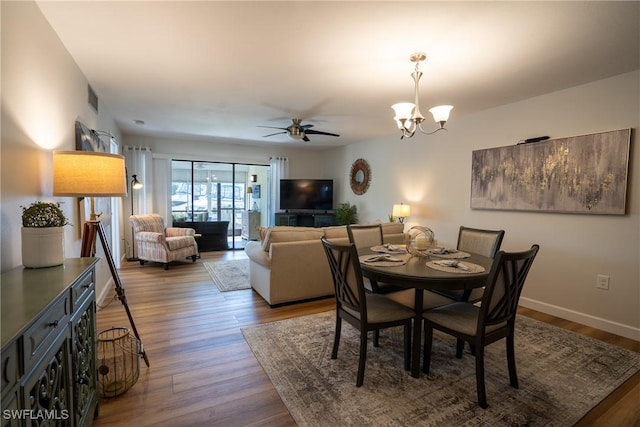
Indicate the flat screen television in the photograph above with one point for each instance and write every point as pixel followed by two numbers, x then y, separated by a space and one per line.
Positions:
pixel 306 194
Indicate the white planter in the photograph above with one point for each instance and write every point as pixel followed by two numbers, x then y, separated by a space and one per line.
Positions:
pixel 42 247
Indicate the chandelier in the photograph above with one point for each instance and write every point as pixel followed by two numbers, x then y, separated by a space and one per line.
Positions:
pixel 408 116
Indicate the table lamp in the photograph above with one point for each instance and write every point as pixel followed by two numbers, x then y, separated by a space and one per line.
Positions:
pixel 401 211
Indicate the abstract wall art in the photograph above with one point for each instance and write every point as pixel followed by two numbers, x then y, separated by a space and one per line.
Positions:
pixel 579 174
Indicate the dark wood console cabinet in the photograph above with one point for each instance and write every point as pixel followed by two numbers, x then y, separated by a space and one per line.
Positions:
pixel 305 219
pixel 48 353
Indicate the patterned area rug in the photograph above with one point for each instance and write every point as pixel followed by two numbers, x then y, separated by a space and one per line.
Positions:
pixel 562 376
pixel 229 275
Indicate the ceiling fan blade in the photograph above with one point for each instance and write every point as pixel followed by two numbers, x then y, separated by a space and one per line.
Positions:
pixel 305 127
pixel 305 138
pixel 277 133
pixel 272 127
pixel 317 132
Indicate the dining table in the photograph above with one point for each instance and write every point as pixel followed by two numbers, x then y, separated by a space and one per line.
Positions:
pixel 414 273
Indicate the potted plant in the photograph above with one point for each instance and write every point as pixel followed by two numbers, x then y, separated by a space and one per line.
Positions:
pixel 346 213
pixel 43 234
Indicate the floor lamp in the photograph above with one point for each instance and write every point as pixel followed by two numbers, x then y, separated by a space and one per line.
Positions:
pixel 92 174
pixel 135 185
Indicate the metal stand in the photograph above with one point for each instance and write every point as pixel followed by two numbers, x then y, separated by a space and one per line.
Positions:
pixel 91 228
pixel 133 237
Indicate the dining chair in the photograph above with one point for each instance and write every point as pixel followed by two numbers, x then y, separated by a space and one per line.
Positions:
pixel 481 242
pixel 363 310
pixel 482 325
pixel 366 236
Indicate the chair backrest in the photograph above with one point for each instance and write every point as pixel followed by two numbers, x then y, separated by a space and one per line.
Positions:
pixel 481 242
pixel 505 283
pixel 147 222
pixel 347 277
pixel 365 235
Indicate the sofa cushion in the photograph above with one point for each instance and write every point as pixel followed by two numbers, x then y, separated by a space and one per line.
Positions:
pixel 279 234
pixel 262 232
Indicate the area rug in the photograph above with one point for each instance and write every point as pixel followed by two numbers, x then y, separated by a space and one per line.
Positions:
pixel 229 275
pixel 562 375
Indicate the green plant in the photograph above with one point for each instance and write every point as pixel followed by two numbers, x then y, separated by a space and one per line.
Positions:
pixel 43 214
pixel 392 218
pixel 346 213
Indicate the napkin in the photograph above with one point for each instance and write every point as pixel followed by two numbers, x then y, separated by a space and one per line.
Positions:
pixel 443 251
pixel 453 264
pixel 392 248
pixel 384 257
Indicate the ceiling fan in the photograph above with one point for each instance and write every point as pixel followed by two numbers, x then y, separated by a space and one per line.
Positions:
pixel 297 131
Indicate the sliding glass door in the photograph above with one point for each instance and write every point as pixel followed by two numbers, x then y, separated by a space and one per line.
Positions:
pixel 214 199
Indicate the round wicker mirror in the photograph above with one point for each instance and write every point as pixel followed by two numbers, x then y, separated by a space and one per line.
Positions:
pixel 360 176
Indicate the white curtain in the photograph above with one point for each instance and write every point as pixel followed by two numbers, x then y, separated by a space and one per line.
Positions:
pixel 279 169
pixel 138 162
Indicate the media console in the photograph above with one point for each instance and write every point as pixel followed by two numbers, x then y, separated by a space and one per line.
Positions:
pixel 305 219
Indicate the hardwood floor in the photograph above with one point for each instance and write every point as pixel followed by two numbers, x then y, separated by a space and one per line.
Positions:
pixel 202 372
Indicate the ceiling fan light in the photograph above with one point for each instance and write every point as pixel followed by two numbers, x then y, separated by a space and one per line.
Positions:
pixel 441 113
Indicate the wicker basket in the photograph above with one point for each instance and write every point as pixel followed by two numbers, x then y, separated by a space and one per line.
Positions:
pixel 118 361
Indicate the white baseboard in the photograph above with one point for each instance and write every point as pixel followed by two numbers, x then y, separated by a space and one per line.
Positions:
pixel 105 291
pixel 582 318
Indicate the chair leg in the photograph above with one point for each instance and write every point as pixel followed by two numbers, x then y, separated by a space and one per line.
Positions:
pixel 166 265
pixel 363 358
pixel 426 354
pixel 511 361
pixel 482 393
pixel 376 338
pixel 336 338
pixel 459 347
pixel 407 347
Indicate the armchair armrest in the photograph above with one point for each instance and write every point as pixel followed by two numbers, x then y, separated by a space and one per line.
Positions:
pixel 150 236
pixel 179 231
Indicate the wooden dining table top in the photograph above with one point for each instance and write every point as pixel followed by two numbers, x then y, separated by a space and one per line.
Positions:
pixel 416 274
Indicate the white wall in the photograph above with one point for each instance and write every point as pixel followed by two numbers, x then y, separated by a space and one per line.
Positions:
pixel 43 94
pixel 303 163
pixel 433 174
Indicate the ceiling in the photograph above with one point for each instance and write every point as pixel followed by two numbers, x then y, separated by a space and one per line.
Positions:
pixel 214 70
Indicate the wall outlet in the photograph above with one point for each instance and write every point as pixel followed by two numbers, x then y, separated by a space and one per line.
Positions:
pixel 602 282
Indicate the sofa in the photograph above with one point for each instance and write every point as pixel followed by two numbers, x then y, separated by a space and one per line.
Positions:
pixel 289 263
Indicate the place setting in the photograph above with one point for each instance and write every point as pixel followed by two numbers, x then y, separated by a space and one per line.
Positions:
pixel 447 253
pixel 384 259
pixel 454 266
pixel 388 248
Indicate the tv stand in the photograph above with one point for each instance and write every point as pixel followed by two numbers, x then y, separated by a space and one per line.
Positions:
pixel 305 219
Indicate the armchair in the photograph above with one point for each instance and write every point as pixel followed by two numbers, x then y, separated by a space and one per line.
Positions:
pixel 156 243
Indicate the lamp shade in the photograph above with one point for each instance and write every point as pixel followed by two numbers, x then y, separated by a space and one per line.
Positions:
pixel 441 112
pixel 135 184
pixel 403 110
pixel 249 189
pixel 88 174
pixel 401 210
